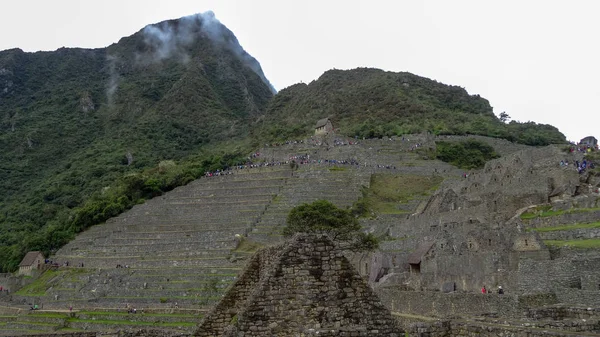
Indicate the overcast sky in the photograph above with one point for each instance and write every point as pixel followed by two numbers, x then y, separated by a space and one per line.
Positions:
pixel 537 60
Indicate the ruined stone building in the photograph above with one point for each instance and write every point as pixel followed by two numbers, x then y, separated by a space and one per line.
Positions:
pixel 589 141
pixel 323 127
pixel 31 262
pixel 303 287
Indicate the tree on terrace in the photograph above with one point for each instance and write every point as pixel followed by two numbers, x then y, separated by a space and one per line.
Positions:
pixel 340 225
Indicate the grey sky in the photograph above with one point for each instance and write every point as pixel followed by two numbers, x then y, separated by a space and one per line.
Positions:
pixel 536 60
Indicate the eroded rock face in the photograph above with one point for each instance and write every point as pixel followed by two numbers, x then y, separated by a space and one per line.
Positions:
pixel 303 286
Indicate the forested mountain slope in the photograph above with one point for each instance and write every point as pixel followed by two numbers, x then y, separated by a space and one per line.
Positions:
pixel 86 134
pixel 368 102
pixel 74 121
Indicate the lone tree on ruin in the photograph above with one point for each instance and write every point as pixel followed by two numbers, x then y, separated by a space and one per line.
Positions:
pixel 340 225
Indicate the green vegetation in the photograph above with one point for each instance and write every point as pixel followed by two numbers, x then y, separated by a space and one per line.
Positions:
pixel 387 191
pixel 372 103
pixel 74 155
pixel 337 169
pixel 39 286
pixel 579 244
pixel 48 314
pixel 48 278
pixel 247 246
pixel 130 322
pixel 567 227
pixel 322 216
pixel 547 211
pixel 124 313
pixel 469 154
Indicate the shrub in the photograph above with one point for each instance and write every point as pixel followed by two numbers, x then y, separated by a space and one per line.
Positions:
pixel 469 154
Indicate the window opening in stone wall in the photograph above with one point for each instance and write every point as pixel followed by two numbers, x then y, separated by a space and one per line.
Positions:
pixel 526 244
pixel 489 242
pixel 470 245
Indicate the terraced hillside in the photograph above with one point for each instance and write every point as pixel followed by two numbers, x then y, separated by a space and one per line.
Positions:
pixel 174 256
pixel 571 230
pixel 175 252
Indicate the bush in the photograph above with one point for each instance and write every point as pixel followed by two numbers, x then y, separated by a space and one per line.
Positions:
pixel 469 154
pixel 340 225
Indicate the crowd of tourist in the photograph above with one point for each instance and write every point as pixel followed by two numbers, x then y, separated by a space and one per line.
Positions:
pixel 315 142
pixel 581 167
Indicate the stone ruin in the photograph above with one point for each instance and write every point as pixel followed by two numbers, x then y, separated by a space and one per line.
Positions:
pixel 466 234
pixel 303 287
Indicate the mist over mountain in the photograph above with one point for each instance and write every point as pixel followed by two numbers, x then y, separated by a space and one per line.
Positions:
pixel 73 121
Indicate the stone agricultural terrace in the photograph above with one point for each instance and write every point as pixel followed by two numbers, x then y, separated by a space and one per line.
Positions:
pixel 522 222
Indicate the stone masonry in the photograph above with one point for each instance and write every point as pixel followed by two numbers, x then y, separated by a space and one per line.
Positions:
pixel 303 287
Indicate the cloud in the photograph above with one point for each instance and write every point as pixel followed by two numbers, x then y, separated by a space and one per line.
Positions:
pixel 170 39
pixel 113 80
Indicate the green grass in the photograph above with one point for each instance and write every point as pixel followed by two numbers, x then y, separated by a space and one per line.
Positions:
pixel 123 313
pixel 337 169
pixel 580 244
pixel 128 322
pixel 566 227
pixel 387 191
pixel 36 323
pixel 67 329
pixel 547 211
pixel 39 286
pixel 247 246
pixel 48 314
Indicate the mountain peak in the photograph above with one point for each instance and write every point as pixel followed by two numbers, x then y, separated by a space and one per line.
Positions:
pixel 174 39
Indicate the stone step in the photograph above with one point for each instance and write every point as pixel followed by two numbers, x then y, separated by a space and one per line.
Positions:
pixel 145 261
pixel 142 250
pixel 114 325
pixel 99 252
pixel 210 237
pixel 32 326
pixel 41 316
pixel 149 234
pixel 260 189
pixel 138 316
pixel 572 233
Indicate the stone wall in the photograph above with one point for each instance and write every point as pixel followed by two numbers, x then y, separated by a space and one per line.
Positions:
pixel 579 296
pixel 225 312
pixel 438 304
pixel 475 329
pixel 561 275
pixel 307 286
pixel 562 312
pixel 138 333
